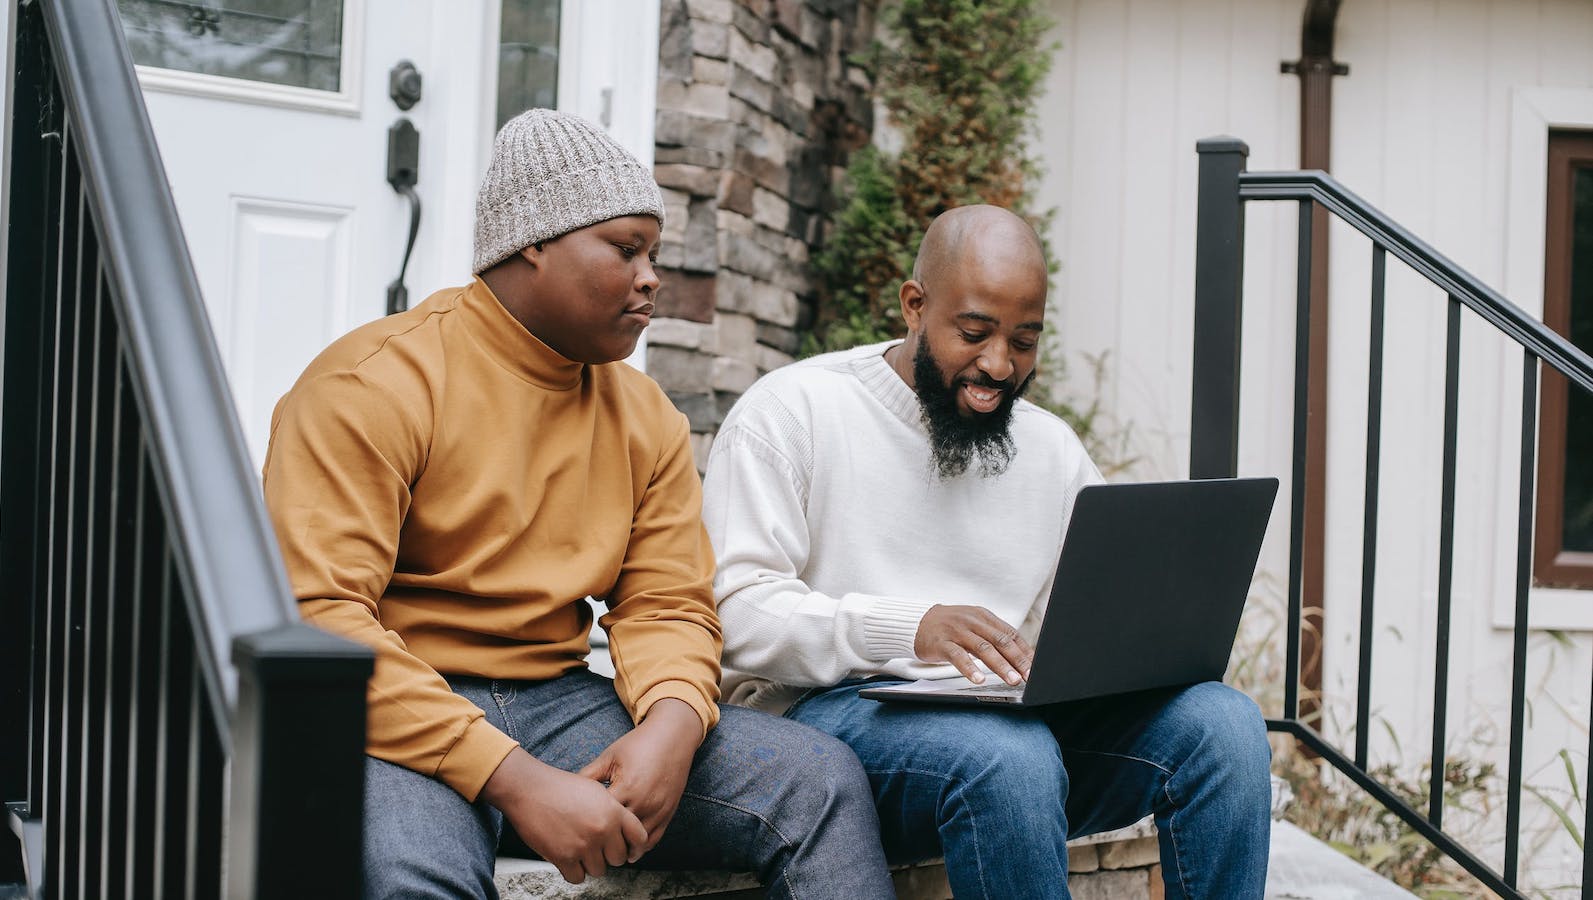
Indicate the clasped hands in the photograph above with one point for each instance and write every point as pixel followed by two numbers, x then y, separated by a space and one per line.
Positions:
pixel 613 810
pixel 582 827
pixel 967 635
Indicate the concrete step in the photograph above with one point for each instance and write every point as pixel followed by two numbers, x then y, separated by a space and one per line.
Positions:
pixel 1121 865
pixel 1300 867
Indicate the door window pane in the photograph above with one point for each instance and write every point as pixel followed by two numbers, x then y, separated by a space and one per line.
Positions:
pixel 528 57
pixel 289 42
pixel 1579 406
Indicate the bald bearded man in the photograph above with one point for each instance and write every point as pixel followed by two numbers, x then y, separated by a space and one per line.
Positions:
pixel 894 512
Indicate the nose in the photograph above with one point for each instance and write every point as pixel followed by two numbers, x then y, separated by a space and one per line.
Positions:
pixel 995 361
pixel 647 277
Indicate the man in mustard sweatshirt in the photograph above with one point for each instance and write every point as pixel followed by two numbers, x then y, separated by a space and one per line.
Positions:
pixel 448 485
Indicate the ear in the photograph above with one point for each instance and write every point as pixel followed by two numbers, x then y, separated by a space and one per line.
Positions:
pixel 533 255
pixel 912 299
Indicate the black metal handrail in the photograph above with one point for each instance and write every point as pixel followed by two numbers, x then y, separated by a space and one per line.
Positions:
pixel 149 630
pixel 1490 305
pixel 1224 187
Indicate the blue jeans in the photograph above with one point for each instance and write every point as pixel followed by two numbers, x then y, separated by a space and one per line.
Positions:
pixel 765 795
pixel 999 793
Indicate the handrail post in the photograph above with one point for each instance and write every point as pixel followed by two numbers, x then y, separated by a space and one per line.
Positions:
pixel 1219 282
pixel 24 153
pixel 298 768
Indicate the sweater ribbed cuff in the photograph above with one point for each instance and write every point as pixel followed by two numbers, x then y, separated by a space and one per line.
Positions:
pixel 473 758
pixel 687 693
pixel 889 626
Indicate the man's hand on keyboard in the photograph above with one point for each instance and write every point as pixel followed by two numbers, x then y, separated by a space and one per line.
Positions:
pixel 967 635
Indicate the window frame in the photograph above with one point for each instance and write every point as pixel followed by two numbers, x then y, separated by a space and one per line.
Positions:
pixel 1552 564
pixel 346 101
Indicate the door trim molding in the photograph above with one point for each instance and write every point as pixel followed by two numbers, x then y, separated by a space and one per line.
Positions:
pixel 1534 111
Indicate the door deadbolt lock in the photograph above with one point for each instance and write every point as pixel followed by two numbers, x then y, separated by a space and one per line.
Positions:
pixel 403 84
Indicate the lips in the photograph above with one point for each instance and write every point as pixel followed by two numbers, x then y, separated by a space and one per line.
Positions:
pixel 642 313
pixel 981 399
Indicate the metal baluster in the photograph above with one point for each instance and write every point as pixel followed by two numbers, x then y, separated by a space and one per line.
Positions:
pixel 1374 436
pixel 1446 560
pixel 28 355
pixel 1302 372
pixel 58 825
pixel 80 517
pixel 1587 828
pixel 208 849
pixel 189 848
pixel 1518 668
pixel 163 717
pixel 46 743
pixel 97 559
pixel 149 657
pixel 122 625
pixel 180 761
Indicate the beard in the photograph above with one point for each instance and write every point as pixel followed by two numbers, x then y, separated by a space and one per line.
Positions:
pixel 956 441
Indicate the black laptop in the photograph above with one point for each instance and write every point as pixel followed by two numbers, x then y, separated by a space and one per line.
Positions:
pixel 1148 593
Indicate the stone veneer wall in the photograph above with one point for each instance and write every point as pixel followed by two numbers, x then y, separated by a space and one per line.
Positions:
pixel 759 104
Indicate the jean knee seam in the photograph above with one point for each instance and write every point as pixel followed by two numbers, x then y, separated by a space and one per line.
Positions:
pixel 1130 757
pixel 979 858
pixel 973 821
pixel 973 829
pixel 784 841
pixel 1172 835
pixel 937 775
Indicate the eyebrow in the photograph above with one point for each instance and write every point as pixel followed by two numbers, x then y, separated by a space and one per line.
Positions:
pixel 992 320
pixel 641 240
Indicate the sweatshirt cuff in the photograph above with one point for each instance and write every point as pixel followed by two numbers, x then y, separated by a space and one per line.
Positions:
pixel 890 625
pixel 474 757
pixel 686 692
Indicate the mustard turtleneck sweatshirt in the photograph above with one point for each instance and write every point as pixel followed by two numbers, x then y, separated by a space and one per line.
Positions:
pixel 447 489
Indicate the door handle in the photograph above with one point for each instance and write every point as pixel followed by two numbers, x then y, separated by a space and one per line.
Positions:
pixel 403 84
pixel 403 173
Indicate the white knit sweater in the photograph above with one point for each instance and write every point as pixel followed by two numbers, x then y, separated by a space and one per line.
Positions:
pixel 834 535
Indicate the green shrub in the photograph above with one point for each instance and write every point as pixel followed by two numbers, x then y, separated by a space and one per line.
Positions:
pixel 959 79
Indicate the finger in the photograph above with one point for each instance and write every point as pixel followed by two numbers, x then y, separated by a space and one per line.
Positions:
pixel 600 769
pixel 571 871
pixel 592 860
pixel 615 853
pixel 965 664
pixel 1015 652
pixel 655 831
pixel 635 836
pixel 991 657
pixel 655 821
pixel 624 791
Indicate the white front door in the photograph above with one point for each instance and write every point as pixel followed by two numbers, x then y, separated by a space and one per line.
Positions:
pixel 273 118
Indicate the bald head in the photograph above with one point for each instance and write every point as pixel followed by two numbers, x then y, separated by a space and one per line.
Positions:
pixel 981 237
pixel 974 311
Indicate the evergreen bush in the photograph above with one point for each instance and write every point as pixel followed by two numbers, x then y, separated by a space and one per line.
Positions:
pixel 958 80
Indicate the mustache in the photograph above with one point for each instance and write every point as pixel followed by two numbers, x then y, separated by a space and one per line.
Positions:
pixel 985 381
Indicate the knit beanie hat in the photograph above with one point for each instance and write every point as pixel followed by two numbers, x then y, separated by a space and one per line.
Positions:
pixel 552 173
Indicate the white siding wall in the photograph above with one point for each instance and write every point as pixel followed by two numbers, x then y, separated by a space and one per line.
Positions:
pixel 1441 124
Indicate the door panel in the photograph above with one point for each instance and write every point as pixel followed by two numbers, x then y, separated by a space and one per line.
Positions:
pixel 282 192
pixel 290 289
pixel 281 188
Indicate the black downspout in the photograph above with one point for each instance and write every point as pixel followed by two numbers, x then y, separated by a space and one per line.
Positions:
pixel 1316 69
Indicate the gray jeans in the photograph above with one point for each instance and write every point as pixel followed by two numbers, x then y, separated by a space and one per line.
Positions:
pixel 766 795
